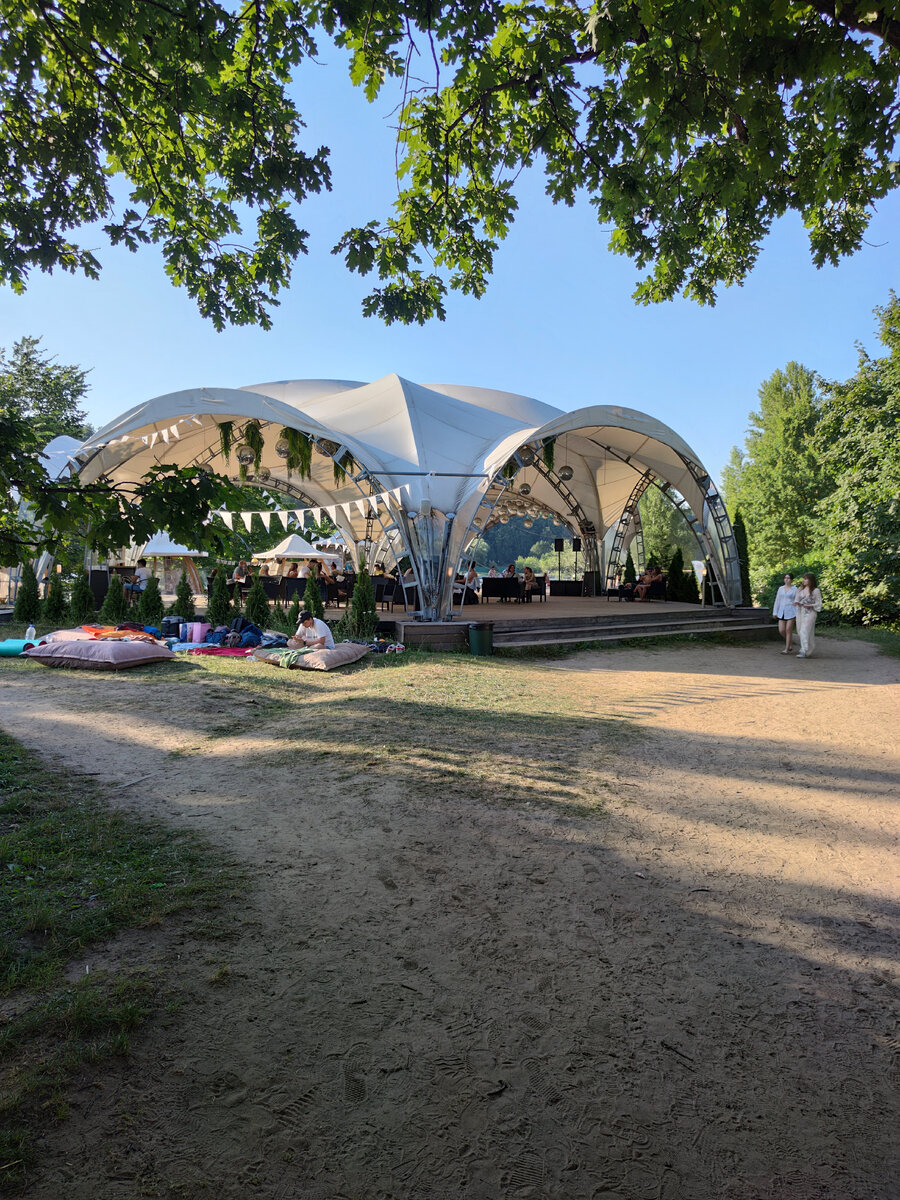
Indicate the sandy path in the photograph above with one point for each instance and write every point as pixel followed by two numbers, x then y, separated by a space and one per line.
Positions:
pixel 694 998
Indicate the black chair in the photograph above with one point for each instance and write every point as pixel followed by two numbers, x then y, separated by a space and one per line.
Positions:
pixel 272 588
pixel 293 587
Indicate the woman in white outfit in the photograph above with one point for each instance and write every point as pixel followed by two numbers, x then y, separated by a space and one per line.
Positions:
pixel 785 610
pixel 809 604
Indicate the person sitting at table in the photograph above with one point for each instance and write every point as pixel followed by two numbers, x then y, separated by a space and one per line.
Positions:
pixel 241 573
pixel 471 586
pixel 323 577
pixel 264 571
pixel 137 583
pixel 510 574
pixel 303 573
pixel 292 571
pixel 529 585
pixel 311 634
pixel 492 573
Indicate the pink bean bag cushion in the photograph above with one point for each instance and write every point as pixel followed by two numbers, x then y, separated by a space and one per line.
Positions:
pixel 101 655
pixel 69 635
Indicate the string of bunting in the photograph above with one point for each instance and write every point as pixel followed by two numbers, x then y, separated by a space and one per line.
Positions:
pixel 362 506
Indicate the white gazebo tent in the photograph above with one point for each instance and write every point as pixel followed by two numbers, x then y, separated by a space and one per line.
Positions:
pixel 166 560
pixel 293 546
pixel 405 469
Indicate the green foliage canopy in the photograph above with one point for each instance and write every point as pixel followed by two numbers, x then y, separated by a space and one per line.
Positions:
pixel 858 438
pixel 690 125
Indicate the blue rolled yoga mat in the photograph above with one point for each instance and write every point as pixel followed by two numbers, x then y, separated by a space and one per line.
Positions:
pixel 13 647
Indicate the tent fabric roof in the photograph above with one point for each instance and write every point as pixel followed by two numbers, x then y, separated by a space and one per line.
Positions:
pixel 441 445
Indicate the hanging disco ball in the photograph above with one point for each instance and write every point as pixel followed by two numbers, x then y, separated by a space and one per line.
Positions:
pixel 504 520
pixel 565 473
pixel 525 489
pixel 526 454
pixel 264 474
pixel 244 454
pixel 282 447
pixel 528 522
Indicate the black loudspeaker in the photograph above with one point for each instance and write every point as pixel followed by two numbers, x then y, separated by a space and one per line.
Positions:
pixel 559 545
pixel 576 544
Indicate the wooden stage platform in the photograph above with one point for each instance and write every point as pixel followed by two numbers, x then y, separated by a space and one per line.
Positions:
pixel 564 620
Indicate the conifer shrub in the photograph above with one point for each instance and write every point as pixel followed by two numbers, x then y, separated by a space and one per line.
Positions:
pixel 630 573
pixel 361 617
pixel 740 538
pixel 218 611
pixel 312 598
pixel 675 576
pixel 184 599
pixel 257 608
pixel 690 593
pixel 236 609
pixel 27 608
pixel 81 602
pixel 150 606
pixel 56 607
pixel 114 608
pixel 294 613
pixel 278 619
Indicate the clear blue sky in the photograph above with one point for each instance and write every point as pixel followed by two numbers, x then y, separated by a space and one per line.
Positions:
pixel 557 323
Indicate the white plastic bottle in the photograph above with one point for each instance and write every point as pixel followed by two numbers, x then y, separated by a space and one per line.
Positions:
pixel 30 633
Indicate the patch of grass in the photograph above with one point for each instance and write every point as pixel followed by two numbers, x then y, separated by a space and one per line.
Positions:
pixel 43 1047
pixel 885 637
pixel 74 873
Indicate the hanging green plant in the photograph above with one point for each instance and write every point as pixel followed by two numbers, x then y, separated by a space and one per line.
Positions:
pixel 347 463
pixel 509 468
pixel 254 438
pixel 299 451
pixel 226 438
pixel 549 448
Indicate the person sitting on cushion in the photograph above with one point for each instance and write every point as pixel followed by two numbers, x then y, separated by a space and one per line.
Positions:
pixel 311 634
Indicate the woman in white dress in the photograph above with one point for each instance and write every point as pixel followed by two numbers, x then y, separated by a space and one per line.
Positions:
pixel 786 611
pixel 809 605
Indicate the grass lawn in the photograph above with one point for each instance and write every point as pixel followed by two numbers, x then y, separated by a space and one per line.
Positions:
pixel 74 874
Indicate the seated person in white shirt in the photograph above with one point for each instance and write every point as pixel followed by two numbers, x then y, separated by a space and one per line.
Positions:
pixel 311 634
pixel 138 581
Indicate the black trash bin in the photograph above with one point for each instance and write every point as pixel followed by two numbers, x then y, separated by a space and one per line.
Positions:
pixel 481 638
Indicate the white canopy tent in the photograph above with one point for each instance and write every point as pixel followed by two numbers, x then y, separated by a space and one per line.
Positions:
pixel 428 467
pixel 293 546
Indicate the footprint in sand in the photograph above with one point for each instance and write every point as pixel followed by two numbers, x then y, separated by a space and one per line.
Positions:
pixel 355 1064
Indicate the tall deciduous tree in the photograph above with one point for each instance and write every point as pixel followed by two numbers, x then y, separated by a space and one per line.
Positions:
pixel 690 125
pixel 664 528
pixel 39 400
pixel 859 439
pixel 779 479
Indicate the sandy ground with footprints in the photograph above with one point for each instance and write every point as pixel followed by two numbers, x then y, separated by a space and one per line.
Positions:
pixel 692 996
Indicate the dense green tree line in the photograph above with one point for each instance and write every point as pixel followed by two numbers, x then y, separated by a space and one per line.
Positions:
pixel 818 481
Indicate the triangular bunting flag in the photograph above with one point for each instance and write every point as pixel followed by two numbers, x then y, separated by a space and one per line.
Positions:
pixel 266 518
pixel 247 518
pixel 316 515
pixel 283 518
pixel 228 518
pixel 164 434
pixel 361 506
